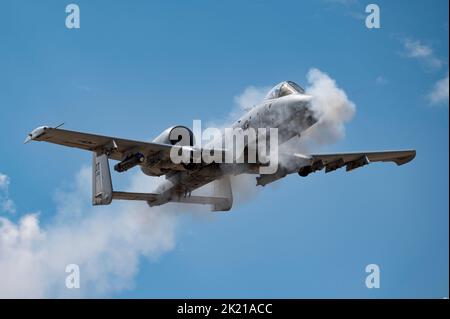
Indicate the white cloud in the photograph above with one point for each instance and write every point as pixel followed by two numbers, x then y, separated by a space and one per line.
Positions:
pixel 106 242
pixel 439 93
pixel 416 50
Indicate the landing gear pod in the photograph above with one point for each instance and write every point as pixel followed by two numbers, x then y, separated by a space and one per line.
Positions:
pixel 222 189
pixel 102 190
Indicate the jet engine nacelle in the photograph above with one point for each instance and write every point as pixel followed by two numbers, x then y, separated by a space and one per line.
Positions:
pixel 176 134
pixel 306 170
pixel 157 165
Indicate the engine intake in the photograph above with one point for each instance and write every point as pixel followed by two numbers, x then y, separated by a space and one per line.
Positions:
pixel 179 134
pixel 306 170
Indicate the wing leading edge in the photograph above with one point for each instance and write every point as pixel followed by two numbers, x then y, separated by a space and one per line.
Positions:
pixel 117 148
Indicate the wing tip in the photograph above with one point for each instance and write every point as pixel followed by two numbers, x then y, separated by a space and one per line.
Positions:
pixel 411 154
pixel 36 133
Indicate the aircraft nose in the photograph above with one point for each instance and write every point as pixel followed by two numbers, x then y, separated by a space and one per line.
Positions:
pixel 310 117
pixel 305 107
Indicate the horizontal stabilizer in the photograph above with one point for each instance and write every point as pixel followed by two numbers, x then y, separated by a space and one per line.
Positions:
pixel 135 196
pixel 177 198
pixel 206 200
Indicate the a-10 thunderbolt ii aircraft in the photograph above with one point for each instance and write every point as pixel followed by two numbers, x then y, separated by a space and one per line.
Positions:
pixel 286 107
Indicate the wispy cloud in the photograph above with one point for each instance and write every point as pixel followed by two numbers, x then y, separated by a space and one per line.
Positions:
pixel 381 80
pixel 357 15
pixel 415 49
pixel 439 93
pixel 352 8
pixel 343 2
pixel 6 203
pixel 4 181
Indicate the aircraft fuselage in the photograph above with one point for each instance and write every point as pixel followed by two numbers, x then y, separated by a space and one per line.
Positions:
pixel 290 114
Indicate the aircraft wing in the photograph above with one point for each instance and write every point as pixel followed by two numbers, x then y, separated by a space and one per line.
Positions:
pixel 332 162
pixel 117 148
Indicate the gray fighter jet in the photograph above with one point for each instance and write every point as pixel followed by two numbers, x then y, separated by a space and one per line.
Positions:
pixel 287 107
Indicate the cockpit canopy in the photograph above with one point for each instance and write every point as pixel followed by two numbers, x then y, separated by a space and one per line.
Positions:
pixel 283 89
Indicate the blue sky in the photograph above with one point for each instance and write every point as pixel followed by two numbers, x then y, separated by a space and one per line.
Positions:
pixel 132 70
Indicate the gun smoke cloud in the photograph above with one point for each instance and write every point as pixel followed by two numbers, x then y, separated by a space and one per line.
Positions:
pixel 332 107
pixel 330 104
